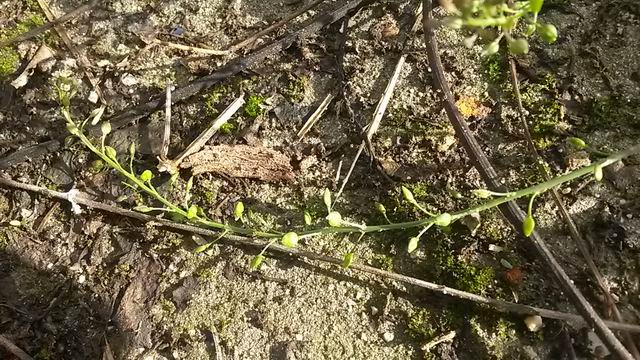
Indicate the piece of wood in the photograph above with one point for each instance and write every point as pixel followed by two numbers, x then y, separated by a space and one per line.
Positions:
pixel 244 161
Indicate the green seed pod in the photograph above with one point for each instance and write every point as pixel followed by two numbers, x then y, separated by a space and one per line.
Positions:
pixel 491 48
pixel 413 244
pixel 408 195
pixel 519 46
pixel 597 173
pixel 110 152
pixel 381 208
pixel 192 212
pixel 256 262
pixel 548 33
pixel 146 175
pixel 443 220
pixel 290 240
pixel 132 150
pixel 577 143
pixel 238 210
pixel 535 5
pixel 189 185
pixel 73 129
pixel 142 208
pixel 202 248
pixel 326 197
pixel 347 260
pixel 335 219
pixel 105 128
pixel 531 28
pixel 528 225
pixel 307 218
pixel 481 193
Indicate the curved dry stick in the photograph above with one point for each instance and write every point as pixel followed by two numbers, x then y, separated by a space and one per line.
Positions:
pixel 510 210
pixel 13 349
pixel 498 305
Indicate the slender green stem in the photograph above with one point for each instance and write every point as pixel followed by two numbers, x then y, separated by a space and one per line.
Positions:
pixel 426 223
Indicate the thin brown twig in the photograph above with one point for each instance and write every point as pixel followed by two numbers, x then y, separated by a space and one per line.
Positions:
pixel 13 349
pixel 510 210
pixel 573 229
pixel 190 48
pixel 52 23
pixel 498 305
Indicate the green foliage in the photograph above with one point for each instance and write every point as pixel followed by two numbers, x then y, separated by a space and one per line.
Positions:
pixel 9 57
pixel 495 66
pixel 609 112
pixel 9 61
pixel 296 88
pixel 545 112
pixel 212 100
pixel 253 106
pixel 419 325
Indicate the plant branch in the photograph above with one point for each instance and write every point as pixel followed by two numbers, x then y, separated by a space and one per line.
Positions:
pixel 498 305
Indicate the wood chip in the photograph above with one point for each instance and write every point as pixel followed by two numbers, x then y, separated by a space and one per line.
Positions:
pixel 242 161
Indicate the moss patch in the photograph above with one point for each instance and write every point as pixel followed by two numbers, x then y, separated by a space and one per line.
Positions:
pixel 545 112
pixel 253 106
pixel 9 57
pixel 611 112
pixel 296 88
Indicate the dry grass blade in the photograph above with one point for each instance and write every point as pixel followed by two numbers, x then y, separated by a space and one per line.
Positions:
pixel 172 166
pixel 313 119
pixel 191 48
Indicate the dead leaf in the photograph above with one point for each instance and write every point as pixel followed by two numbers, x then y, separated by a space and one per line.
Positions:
pixel 241 161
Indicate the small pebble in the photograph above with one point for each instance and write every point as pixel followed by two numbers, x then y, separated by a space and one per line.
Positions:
pixel 388 336
pixel 533 322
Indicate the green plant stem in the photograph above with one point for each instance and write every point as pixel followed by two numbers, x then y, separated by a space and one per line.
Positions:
pixel 424 223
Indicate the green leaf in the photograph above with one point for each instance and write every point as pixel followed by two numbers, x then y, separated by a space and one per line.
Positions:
pixel 189 185
pixel 577 143
pixel 597 173
pixel 413 244
pixel 146 175
pixel 290 240
pixel 105 128
pixel 97 115
pixel 132 150
pixel 481 193
pixel 192 212
pixel 408 195
pixel 443 219
pixel 335 219
pixel 528 225
pixel 326 197
pixel 548 33
pixel 348 260
pixel 143 209
pixel 307 218
pixel 535 5
pixel 203 247
pixel 111 153
pixel 519 46
pixel 238 210
pixel 257 261
pixel 491 48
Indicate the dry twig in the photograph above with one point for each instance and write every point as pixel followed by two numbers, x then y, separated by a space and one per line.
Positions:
pixel 13 349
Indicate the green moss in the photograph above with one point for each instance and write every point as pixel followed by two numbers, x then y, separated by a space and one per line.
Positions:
pixel 545 112
pixel 4 240
pixel 466 276
pixel 207 273
pixel 494 67
pixel 296 88
pixel 498 336
pixel 383 261
pixel 419 325
pixel 9 57
pixel 613 112
pixel 253 106
pixel 228 128
pixel 212 99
